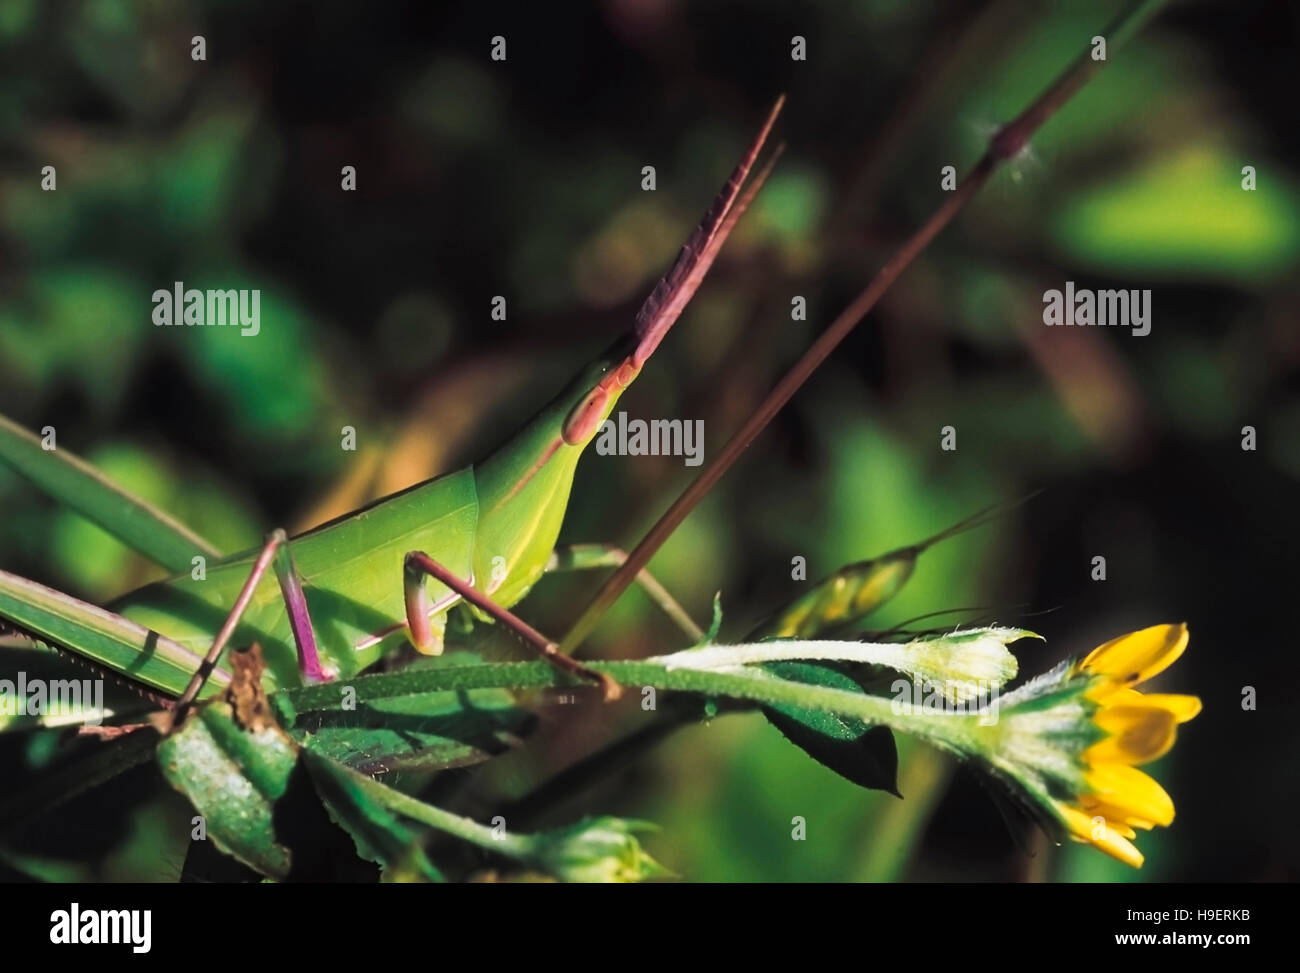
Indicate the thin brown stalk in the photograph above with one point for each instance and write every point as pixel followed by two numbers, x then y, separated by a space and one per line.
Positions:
pixel 1007 143
pixel 547 649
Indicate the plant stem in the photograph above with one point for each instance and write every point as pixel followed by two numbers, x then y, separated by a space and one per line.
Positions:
pixel 511 845
pixel 909 657
pixel 1007 143
pixel 954 731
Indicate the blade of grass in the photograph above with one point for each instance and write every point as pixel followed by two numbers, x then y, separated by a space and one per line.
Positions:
pixel 78 485
pixel 122 645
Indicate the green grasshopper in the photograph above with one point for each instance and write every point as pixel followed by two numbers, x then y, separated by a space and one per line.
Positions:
pixel 356 587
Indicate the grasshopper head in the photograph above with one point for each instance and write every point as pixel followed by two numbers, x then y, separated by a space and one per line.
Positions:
pixel 604 381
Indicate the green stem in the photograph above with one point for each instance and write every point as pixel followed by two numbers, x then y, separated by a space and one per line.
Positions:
pixel 594 850
pixel 511 845
pixel 950 731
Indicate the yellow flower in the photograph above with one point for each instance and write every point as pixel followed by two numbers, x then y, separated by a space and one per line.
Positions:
pixel 1116 797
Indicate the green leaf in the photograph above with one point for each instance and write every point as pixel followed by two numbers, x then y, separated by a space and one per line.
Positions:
pixel 864 754
pixel 235 780
pixel 38 869
pixel 255 796
pixel 379 836
pixel 715 624
pixel 432 731
pixel 78 485
pixel 109 639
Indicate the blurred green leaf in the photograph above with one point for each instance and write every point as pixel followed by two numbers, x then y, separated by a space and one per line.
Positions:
pixel 1039 49
pixel 1186 215
pixel 76 777
pixel 71 312
pixel 78 485
pixel 793 202
pixel 273 384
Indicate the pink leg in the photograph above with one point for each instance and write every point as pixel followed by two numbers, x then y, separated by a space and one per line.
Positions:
pixel 418 565
pixel 295 600
pixel 276 549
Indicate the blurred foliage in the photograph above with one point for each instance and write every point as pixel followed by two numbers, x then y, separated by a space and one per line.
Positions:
pixel 522 178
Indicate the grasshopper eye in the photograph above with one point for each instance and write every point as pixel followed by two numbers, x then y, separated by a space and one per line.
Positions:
pixel 581 422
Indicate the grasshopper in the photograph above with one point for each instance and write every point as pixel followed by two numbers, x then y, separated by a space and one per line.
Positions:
pixel 354 588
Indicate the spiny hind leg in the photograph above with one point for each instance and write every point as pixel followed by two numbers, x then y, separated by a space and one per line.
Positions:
pixel 275 553
pixel 418 566
pixel 586 557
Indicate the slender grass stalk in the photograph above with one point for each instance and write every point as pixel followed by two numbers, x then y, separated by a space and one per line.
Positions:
pixel 1006 144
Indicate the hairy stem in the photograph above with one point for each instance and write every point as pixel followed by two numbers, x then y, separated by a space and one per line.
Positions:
pixel 956 731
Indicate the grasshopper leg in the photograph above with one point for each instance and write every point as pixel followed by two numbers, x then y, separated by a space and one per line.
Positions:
pixel 426 620
pixel 426 637
pixel 419 565
pixel 295 600
pixel 274 552
pixel 583 557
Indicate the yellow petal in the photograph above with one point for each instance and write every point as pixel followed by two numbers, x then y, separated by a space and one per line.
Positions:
pixel 1132 791
pixel 1096 807
pixel 1117 846
pixel 1138 734
pixel 1183 707
pixel 1105 835
pixel 1136 657
pixel 1126 697
pixel 1078 823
